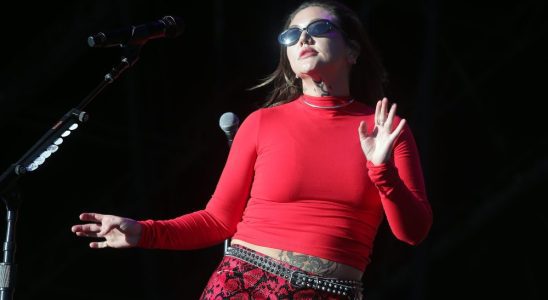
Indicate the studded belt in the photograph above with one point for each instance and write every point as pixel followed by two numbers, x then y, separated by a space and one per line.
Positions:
pixel 299 279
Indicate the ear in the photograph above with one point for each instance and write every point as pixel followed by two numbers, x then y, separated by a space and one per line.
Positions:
pixel 352 52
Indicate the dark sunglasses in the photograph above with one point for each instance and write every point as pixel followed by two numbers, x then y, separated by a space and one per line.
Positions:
pixel 317 28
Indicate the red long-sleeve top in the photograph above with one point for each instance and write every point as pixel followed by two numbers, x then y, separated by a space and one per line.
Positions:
pixel 296 179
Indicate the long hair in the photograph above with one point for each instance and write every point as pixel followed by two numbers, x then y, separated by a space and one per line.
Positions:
pixel 367 76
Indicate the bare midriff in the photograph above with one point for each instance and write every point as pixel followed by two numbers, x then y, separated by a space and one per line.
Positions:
pixel 313 264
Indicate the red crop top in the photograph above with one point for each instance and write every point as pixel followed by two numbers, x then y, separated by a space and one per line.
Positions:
pixel 296 179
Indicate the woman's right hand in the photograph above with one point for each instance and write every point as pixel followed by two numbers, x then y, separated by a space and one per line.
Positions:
pixel 118 232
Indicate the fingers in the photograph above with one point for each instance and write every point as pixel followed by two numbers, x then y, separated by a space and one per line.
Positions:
pixel 104 224
pixel 86 234
pixel 98 245
pixel 94 217
pixel 362 130
pixel 382 115
pixel 86 228
pixel 398 130
pixel 109 223
pixel 380 112
pixel 97 229
pixel 91 229
pixel 391 115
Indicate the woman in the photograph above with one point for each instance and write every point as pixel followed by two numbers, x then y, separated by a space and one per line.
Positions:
pixel 309 178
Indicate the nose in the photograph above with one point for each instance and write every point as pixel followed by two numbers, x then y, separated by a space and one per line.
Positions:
pixel 304 38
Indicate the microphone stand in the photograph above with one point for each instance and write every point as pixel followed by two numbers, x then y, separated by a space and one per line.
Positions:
pixel 33 158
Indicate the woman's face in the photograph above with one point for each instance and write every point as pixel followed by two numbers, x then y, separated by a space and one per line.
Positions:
pixel 318 57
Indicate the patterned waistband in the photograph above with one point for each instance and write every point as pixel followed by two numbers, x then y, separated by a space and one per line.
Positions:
pixel 297 278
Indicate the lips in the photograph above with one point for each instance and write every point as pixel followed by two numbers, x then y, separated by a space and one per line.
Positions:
pixel 307 52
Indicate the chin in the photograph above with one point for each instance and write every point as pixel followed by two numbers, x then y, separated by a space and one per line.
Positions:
pixel 308 70
pixel 312 68
pixel 312 72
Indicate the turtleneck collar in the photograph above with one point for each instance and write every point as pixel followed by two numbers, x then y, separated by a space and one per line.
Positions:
pixel 326 102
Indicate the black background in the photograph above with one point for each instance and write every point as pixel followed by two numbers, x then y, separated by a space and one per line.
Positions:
pixel 469 78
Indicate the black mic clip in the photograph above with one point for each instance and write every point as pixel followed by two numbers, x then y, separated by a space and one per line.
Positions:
pixel 168 26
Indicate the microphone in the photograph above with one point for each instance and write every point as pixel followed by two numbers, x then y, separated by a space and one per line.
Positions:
pixel 168 26
pixel 229 123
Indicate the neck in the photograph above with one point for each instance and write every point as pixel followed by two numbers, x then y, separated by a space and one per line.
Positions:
pixel 319 87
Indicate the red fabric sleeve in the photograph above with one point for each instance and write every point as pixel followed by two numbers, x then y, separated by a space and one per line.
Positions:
pixel 402 191
pixel 224 210
pixel 195 230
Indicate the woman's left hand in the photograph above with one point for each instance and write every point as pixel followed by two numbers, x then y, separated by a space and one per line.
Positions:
pixel 377 145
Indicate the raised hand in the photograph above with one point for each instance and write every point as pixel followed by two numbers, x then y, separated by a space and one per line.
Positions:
pixel 378 144
pixel 117 232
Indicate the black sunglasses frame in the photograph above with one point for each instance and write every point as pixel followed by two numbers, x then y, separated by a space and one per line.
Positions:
pixel 281 39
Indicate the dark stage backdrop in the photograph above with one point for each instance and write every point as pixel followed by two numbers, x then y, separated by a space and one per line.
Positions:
pixel 469 77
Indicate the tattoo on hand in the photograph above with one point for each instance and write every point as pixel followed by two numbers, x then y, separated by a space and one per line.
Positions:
pixel 315 265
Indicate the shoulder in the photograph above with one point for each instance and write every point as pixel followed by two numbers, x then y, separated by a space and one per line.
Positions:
pixel 253 118
pixel 262 118
pixel 259 115
pixel 276 111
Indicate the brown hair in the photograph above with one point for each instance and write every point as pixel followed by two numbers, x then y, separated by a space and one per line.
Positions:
pixel 367 76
